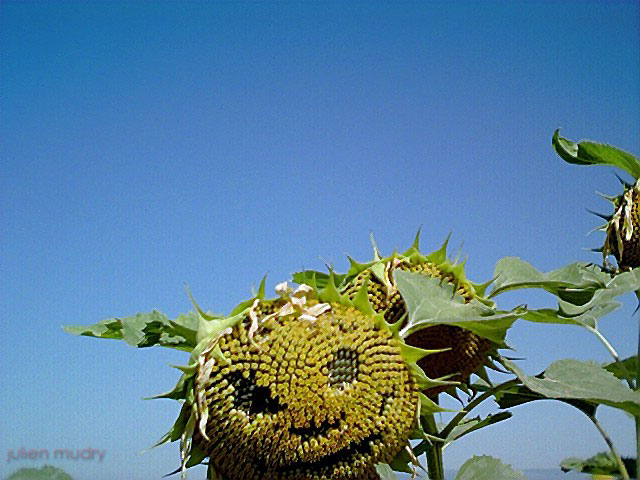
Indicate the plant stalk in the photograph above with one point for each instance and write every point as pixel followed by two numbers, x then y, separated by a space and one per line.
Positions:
pixel 612 448
pixel 637 387
pixel 435 465
pixel 613 353
pixel 473 404
pixel 637 419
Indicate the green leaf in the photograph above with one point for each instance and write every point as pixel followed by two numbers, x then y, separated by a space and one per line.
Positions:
pixel 602 463
pixel 629 366
pixel 196 456
pixel 573 379
pixel 472 424
pixel 487 468
pixel 145 330
pixel 618 285
pixel 47 472
pixel 574 283
pixel 402 462
pixel 180 424
pixel 311 277
pixel 186 326
pixel 355 269
pixel 111 328
pixel 519 395
pixel 429 407
pixel 430 302
pixel 330 292
pixel 586 319
pixel 586 293
pixel 307 277
pixel 591 153
pixel 134 329
pixel 385 472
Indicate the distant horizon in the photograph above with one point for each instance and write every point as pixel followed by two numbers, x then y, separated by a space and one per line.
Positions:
pixel 538 474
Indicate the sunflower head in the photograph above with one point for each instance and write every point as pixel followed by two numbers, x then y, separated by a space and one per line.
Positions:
pixel 459 352
pixel 318 391
pixel 623 228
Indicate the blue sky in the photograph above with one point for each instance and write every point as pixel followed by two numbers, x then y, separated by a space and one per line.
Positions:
pixel 145 145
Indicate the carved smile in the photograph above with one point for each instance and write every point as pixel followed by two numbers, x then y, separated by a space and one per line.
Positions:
pixel 319 431
pixel 362 448
pixel 325 464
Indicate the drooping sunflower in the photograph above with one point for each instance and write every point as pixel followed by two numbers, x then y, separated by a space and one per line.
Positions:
pixel 457 352
pixel 324 381
pixel 622 227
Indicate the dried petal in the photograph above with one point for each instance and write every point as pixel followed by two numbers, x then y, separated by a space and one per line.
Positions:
pixel 283 289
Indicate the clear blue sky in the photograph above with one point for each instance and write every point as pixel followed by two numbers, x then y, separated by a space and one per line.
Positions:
pixel 149 144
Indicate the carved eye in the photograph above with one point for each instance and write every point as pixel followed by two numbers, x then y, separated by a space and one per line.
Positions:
pixel 250 397
pixel 343 369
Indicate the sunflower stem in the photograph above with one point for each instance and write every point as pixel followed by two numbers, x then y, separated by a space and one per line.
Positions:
pixel 434 462
pixel 612 351
pixel 634 383
pixel 637 387
pixel 453 423
pixel 637 419
pixel 623 470
pixel 435 466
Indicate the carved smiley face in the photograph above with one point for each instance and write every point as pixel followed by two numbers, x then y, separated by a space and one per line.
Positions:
pixel 322 399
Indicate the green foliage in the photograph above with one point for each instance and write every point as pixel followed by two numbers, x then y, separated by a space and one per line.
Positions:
pixel 575 380
pixel 385 472
pixel 601 463
pixel 485 467
pixel 591 153
pixel 615 384
pixel 430 302
pixel 624 369
pixel 145 330
pixel 320 279
pixel 513 273
pixel 585 292
pixel 47 472
pixel 519 395
pixel 472 424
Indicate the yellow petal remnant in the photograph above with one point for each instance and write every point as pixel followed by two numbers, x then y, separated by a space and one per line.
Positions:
pixel 628 206
pixel 298 304
pixel 253 315
pixel 206 362
pixel 623 230
pixel 283 289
